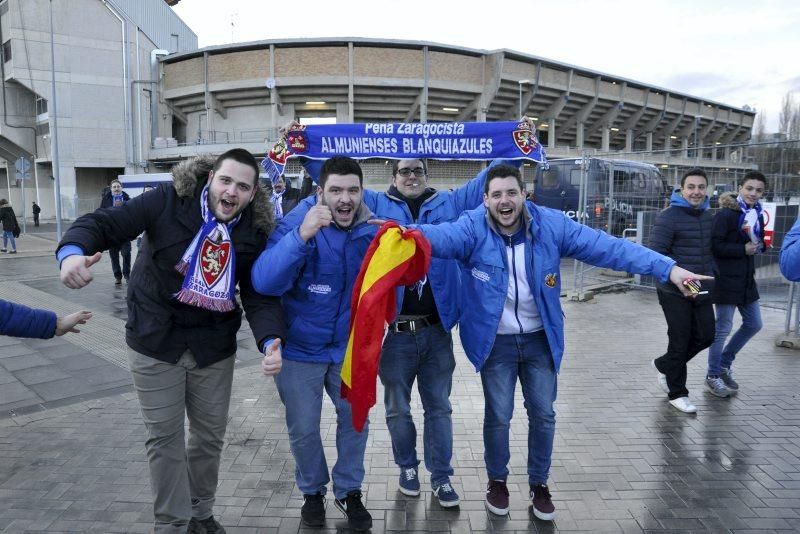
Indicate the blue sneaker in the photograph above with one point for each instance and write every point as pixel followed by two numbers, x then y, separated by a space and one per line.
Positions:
pixel 409 481
pixel 447 495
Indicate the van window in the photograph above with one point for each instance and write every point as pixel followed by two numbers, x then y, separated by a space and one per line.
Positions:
pixel 621 180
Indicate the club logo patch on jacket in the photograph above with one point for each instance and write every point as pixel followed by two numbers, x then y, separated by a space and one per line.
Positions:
pixel 551 279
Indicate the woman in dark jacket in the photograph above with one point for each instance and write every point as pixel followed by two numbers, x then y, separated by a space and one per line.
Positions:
pixel 737 235
pixel 10 226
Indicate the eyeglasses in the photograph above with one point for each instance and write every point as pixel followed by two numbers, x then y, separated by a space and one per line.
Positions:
pixel 419 172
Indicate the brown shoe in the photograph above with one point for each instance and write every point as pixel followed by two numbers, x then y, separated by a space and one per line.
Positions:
pixel 497 497
pixel 542 503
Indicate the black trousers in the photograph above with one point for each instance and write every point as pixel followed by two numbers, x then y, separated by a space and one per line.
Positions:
pixel 690 329
pixel 36 219
pixel 114 253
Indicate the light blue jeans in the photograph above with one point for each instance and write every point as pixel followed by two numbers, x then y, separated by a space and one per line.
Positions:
pixel 722 358
pixel 9 236
pixel 300 386
pixel 527 357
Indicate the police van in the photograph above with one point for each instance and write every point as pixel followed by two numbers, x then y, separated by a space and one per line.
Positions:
pixel 616 191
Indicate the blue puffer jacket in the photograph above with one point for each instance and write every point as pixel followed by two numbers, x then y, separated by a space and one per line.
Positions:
pixel 444 206
pixel 474 240
pixel 790 253
pixel 17 320
pixel 315 281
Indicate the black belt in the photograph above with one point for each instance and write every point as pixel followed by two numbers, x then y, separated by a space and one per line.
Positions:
pixel 413 325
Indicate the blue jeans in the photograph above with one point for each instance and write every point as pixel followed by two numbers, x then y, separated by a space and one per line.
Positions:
pixel 427 356
pixel 300 386
pixel 722 358
pixel 528 357
pixel 9 236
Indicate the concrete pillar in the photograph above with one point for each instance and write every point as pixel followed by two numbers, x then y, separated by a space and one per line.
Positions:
pixel 606 142
pixel 69 192
pixel 579 135
pixel 727 153
pixel 551 133
pixel 685 147
pixel 667 145
pixel 714 153
pixel 343 113
pixel 628 140
pixel 649 142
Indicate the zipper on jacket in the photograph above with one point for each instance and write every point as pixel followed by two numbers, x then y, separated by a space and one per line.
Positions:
pixel 507 239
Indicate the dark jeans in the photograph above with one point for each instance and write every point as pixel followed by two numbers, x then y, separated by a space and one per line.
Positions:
pixel 425 356
pixel 36 219
pixel 690 328
pixel 114 253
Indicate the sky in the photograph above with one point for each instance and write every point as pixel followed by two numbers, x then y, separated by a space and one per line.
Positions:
pixel 733 52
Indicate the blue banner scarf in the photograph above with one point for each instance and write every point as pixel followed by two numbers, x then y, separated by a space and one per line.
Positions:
pixel 750 220
pixel 277 199
pixel 433 140
pixel 209 264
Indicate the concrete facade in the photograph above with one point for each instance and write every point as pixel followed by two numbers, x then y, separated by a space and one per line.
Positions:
pixel 240 94
pixel 103 76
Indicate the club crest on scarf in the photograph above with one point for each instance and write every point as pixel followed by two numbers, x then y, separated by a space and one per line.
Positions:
pixel 525 138
pixel 296 139
pixel 214 259
pixel 209 264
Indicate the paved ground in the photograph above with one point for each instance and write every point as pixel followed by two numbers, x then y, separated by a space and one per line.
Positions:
pixel 72 456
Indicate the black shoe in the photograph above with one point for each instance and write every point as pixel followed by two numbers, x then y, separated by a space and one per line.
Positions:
pixel 118 281
pixel 205 526
pixel 12 251
pixel 313 511
pixel 358 517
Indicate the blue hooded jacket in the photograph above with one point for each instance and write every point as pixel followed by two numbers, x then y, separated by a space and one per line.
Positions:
pixel 315 281
pixel 790 253
pixel 551 235
pixel 444 206
pixel 18 320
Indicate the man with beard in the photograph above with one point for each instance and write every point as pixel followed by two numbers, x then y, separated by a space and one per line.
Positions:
pixel 312 261
pixel 510 253
pixel 202 234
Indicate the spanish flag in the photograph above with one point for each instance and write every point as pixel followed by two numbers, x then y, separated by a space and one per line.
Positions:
pixel 394 258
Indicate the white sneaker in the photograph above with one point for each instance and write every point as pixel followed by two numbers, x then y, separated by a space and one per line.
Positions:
pixel 662 378
pixel 684 404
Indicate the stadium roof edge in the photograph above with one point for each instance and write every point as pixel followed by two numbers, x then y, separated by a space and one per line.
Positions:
pixel 399 43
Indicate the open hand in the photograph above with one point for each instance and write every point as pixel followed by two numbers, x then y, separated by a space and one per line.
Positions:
pixel 68 323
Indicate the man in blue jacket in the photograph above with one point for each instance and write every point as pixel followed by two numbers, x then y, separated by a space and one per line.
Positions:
pixel 790 253
pixel 510 252
pixel 312 261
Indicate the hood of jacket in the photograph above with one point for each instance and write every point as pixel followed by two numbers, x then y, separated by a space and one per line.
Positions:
pixel 191 174
pixel 677 200
pixel 728 200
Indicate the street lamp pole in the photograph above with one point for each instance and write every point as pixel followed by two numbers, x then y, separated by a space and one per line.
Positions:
pixel 520 95
pixel 54 133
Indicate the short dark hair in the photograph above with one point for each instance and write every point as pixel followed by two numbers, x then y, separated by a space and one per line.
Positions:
pixel 242 156
pixel 340 165
pixel 694 172
pixel 396 165
pixel 753 175
pixel 503 171
pixel 115 181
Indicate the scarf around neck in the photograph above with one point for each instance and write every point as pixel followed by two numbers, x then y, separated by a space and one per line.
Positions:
pixel 276 202
pixel 750 220
pixel 209 264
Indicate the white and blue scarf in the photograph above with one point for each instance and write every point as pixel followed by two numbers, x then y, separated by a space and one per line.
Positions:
pixel 750 220
pixel 276 202
pixel 209 264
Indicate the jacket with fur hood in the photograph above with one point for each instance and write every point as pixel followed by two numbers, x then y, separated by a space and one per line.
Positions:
pixel 735 271
pixel 158 325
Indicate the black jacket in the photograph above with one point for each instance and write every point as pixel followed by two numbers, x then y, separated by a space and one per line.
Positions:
pixel 684 234
pixel 158 325
pixel 8 218
pixel 735 274
pixel 108 199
